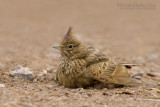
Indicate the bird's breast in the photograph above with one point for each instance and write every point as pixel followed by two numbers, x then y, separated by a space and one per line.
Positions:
pixel 73 73
pixel 72 66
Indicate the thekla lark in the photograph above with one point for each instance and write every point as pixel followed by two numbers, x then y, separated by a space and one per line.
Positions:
pixel 83 66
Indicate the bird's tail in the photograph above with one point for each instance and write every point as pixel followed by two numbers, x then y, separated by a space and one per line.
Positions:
pixel 129 66
pixel 122 77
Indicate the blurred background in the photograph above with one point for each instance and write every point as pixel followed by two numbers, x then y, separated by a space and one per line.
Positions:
pixel 120 28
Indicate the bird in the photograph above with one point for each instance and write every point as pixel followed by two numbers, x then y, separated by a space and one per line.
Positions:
pixel 83 66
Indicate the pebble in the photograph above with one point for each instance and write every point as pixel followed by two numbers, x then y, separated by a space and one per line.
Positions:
pixel 2 85
pixel 158 84
pixel 22 72
pixel 138 77
pixel 43 73
pixel 49 70
pixel 35 80
pixel 50 86
pixel 150 85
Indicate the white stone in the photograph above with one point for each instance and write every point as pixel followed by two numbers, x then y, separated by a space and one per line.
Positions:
pixel 2 85
pixel 22 72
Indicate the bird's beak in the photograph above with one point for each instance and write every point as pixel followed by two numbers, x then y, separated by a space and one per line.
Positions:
pixel 56 47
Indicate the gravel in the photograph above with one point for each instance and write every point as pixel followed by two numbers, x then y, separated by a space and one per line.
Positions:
pixel 22 72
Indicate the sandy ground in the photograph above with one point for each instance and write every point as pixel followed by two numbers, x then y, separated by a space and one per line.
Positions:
pixel 29 28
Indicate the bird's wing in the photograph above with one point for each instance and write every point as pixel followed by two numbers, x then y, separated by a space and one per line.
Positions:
pixel 109 72
pixel 106 70
pixel 94 56
pixel 102 70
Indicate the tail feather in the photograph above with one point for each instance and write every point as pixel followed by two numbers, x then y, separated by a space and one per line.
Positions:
pixel 122 77
pixel 127 65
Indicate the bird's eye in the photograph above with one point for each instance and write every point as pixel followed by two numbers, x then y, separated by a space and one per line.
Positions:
pixel 70 46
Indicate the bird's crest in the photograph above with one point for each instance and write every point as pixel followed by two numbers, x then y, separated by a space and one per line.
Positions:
pixel 69 32
pixel 70 37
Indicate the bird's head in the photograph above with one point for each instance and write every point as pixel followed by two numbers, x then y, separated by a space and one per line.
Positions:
pixel 71 47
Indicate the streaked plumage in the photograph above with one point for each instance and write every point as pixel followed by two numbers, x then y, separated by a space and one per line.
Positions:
pixel 82 66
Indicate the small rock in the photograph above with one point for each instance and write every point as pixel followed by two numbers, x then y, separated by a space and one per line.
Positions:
pixel 21 72
pixel 138 77
pixel 158 84
pixel 81 90
pixel 2 85
pixel 49 70
pixel 150 85
pixel 152 57
pixel 50 86
pixel 43 73
pixel 35 80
